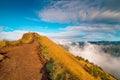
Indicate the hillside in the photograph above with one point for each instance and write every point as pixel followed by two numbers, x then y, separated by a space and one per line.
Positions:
pixel 36 57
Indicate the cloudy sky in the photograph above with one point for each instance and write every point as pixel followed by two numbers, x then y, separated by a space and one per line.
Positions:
pixel 76 20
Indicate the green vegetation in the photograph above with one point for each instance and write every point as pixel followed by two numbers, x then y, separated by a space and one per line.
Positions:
pixel 95 71
pixel 112 49
pixel 79 58
pixel 50 68
pixel 44 52
pixel 58 72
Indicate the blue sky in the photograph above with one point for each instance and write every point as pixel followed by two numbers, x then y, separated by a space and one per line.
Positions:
pixel 75 20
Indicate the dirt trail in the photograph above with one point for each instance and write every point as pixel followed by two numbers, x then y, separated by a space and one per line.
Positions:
pixel 23 63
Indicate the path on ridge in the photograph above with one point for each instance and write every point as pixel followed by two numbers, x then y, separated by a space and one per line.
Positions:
pixel 22 63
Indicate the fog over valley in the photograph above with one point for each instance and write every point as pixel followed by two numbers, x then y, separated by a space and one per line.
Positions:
pixel 95 54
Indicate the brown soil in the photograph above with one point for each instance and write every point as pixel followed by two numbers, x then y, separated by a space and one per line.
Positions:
pixel 22 63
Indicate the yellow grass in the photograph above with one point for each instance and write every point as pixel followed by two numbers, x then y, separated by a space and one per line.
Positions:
pixel 63 57
pixel 1 57
pixel 67 60
pixel 84 63
pixel 3 43
pixel 27 38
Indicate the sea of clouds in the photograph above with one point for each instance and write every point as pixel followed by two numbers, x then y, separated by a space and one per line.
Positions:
pixel 96 55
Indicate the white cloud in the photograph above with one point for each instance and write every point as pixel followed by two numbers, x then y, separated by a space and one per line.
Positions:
pixel 67 11
pixel 57 15
pixel 94 28
pixel 79 11
pixel 94 53
pixel 88 32
pixel 110 15
pixel 12 35
pixel 9 33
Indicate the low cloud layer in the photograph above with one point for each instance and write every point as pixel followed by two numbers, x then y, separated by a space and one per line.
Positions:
pixel 15 35
pixel 95 54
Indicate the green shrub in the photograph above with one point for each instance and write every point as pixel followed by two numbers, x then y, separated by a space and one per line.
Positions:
pixel 96 72
pixel 60 76
pixel 50 68
pixel 44 52
pixel 79 58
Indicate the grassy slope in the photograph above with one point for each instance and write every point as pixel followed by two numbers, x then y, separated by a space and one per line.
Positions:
pixel 65 58
pixel 94 70
pixel 68 60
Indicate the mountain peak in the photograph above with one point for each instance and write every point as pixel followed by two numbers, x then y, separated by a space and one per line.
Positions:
pixel 29 37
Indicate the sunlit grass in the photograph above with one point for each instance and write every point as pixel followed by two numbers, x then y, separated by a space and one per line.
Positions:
pixel 1 57
pixel 4 43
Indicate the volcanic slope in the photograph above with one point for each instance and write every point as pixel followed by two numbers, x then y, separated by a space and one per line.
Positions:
pixel 35 57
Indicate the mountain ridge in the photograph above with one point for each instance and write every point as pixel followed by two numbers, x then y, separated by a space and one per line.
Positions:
pixel 56 57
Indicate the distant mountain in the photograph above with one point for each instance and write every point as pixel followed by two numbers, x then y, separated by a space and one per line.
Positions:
pixel 99 43
pixel 110 47
pixel 35 57
pixel 105 42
